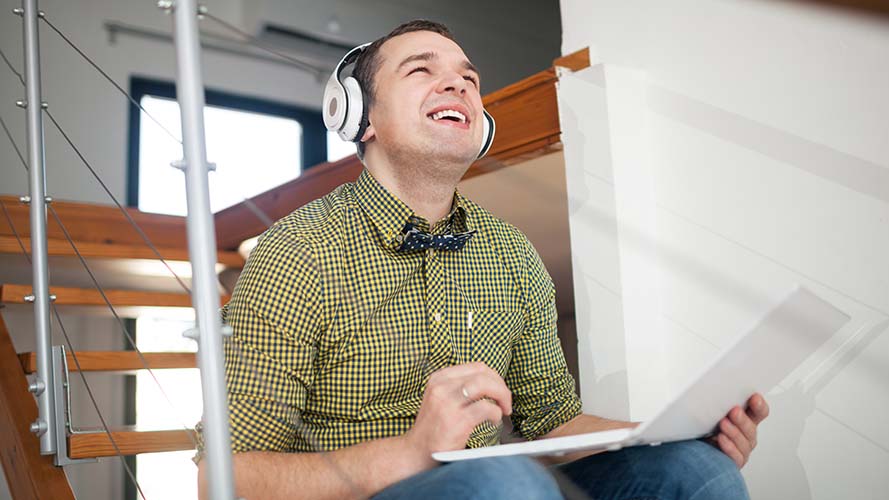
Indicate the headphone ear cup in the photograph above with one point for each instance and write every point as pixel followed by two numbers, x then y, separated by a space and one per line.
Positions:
pixel 334 105
pixel 353 124
pixel 489 129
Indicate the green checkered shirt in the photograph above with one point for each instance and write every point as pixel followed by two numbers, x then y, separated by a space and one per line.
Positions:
pixel 336 332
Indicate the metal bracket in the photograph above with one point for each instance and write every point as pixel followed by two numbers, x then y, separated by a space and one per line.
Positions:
pixel 62 397
pixel 195 333
pixel 180 165
pixel 168 5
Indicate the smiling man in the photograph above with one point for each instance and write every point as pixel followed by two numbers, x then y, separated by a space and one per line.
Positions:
pixel 394 318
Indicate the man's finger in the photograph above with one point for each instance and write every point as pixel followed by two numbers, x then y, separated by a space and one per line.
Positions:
pixel 744 422
pixel 474 388
pixel 757 408
pixel 741 442
pixel 484 410
pixel 728 447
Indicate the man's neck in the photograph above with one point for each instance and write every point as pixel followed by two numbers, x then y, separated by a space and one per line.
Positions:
pixel 427 189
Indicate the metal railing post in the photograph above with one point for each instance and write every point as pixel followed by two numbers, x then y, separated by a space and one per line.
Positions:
pixel 202 252
pixel 45 425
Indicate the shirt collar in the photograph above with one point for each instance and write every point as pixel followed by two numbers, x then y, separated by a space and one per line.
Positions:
pixel 389 214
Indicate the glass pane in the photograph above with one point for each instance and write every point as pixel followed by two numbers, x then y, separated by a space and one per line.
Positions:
pixel 253 153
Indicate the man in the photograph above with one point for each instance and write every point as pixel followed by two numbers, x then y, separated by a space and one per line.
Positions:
pixel 354 340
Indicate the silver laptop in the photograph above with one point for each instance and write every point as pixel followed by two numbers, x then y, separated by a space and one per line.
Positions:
pixel 787 335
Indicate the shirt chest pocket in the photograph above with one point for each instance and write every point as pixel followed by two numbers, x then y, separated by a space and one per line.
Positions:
pixel 492 334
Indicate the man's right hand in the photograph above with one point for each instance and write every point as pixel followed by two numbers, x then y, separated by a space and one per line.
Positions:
pixel 457 399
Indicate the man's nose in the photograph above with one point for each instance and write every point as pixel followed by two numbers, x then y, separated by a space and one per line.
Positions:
pixel 453 82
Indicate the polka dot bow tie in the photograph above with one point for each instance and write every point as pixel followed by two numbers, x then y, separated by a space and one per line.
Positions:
pixel 415 239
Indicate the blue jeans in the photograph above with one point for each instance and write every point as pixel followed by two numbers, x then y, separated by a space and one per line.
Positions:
pixel 689 470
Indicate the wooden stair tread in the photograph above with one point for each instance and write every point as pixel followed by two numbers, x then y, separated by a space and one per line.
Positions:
pixel 56 247
pixel 130 441
pixel 72 296
pixel 116 361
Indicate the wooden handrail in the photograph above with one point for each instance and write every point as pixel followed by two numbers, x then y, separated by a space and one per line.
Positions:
pixel 527 115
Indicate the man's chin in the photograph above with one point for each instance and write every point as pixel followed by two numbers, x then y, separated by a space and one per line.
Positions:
pixel 453 153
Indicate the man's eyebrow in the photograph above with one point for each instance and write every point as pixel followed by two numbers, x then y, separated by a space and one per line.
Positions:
pixel 425 56
pixel 429 56
pixel 471 67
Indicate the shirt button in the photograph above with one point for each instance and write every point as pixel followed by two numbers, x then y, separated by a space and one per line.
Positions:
pixel 437 317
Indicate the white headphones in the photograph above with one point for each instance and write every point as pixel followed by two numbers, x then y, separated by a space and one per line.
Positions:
pixel 345 109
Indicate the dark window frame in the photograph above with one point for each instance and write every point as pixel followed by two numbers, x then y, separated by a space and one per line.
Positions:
pixel 314 134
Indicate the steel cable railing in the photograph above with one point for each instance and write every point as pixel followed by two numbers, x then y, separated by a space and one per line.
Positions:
pixel 92 276
pixel 68 342
pixel 73 352
pixel 254 209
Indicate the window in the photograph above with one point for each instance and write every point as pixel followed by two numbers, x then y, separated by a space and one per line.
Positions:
pixel 256 145
pixel 173 402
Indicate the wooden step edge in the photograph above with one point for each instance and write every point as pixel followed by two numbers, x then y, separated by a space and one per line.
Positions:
pixel 72 296
pixel 57 247
pixel 117 361
pixel 129 441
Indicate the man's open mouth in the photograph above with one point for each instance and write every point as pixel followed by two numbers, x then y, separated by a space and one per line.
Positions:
pixel 448 114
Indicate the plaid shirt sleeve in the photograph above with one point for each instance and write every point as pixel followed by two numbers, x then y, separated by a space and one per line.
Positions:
pixel 275 317
pixel 543 390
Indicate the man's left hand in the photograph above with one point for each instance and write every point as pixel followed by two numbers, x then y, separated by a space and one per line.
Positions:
pixel 737 431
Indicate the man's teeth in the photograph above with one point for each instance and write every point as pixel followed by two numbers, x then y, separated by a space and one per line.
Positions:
pixel 449 113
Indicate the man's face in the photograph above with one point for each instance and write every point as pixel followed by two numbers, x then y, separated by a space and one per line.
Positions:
pixel 427 101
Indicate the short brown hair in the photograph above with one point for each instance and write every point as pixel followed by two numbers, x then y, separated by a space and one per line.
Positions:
pixel 369 61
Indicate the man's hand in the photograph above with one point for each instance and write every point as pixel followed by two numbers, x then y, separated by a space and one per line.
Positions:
pixel 737 431
pixel 457 399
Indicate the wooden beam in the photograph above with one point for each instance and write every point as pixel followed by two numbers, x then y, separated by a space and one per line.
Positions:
pixel 70 296
pixel 527 116
pixel 9 245
pixel 574 61
pixel 238 222
pixel 30 475
pixel 116 361
pixel 129 441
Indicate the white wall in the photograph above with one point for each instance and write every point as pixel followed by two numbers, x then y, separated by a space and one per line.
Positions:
pixel 731 149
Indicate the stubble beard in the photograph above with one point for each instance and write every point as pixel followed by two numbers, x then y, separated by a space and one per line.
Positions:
pixel 429 165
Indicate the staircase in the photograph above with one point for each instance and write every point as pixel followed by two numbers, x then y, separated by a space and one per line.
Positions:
pixel 110 246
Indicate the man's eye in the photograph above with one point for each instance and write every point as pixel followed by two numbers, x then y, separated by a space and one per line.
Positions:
pixel 471 79
pixel 418 68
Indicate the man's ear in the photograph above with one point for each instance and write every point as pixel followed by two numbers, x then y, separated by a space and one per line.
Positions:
pixel 369 132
